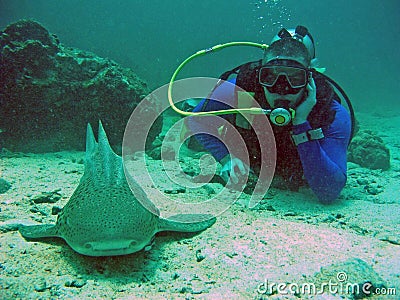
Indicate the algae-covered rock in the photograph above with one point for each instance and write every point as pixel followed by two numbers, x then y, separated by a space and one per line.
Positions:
pixel 369 151
pixel 352 278
pixel 49 92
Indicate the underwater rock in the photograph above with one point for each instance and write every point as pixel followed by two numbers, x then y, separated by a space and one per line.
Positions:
pixel 354 277
pixel 77 283
pixel 47 197
pixel 175 191
pixel 369 151
pixel 49 92
pixel 4 186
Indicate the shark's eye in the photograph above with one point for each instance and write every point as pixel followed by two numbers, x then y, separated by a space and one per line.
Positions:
pixel 88 246
pixel 133 244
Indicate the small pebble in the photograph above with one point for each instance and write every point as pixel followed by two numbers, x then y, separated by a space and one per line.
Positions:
pixel 329 219
pixel 71 171
pixel 198 292
pixel 181 190
pixel 362 181
pixel 77 283
pixel 231 255
pixel 175 191
pixel 270 208
pixel 209 190
pixel 47 197
pixel 35 210
pixel 170 191
pixel 199 256
pixel 184 290
pixel 378 200
pixel 41 286
pixel 55 210
pixel 290 214
pixel 373 189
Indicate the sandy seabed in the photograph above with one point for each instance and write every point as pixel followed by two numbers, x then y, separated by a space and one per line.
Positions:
pixel 289 239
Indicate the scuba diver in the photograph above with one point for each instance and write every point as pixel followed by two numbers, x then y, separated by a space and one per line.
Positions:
pixel 311 128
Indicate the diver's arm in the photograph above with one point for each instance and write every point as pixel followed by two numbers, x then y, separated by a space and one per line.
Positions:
pixel 324 160
pixel 206 128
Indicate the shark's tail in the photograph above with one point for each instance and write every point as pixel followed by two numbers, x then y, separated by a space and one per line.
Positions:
pixel 187 222
pixel 38 231
pixel 101 163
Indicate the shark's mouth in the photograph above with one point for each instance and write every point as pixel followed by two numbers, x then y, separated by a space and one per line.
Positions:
pixel 114 247
pixel 111 247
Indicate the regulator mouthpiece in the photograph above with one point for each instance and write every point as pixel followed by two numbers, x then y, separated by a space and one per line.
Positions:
pixel 281 116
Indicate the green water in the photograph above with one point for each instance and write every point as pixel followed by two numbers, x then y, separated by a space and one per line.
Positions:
pixel 356 40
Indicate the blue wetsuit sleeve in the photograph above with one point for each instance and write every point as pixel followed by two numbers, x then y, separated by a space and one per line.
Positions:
pixel 206 128
pixel 324 161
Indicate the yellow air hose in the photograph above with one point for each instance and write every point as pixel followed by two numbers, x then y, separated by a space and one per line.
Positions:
pixel 250 110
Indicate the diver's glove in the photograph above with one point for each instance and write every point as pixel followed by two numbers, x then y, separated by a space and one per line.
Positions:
pixel 304 109
pixel 233 170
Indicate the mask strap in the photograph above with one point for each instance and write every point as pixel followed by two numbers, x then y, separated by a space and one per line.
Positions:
pixel 284 34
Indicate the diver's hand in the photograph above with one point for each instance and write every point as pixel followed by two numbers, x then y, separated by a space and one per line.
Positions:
pixel 233 169
pixel 305 108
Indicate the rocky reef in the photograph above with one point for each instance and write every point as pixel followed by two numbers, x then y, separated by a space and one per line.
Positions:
pixel 49 92
pixel 369 151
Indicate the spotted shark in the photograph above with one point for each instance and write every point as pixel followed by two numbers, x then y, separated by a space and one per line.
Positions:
pixel 104 217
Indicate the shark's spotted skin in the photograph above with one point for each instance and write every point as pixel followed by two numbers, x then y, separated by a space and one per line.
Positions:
pixel 103 217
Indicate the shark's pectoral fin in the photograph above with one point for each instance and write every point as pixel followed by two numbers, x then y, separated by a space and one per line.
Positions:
pixel 38 231
pixel 187 222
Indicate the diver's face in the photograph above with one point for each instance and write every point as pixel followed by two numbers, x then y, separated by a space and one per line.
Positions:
pixel 282 100
pixel 282 94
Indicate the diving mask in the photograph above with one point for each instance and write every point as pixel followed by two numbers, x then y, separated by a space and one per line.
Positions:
pixel 296 76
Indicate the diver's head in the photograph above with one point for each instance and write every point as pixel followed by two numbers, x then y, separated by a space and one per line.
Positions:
pixel 296 44
pixel 286 67
pixel 300 34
